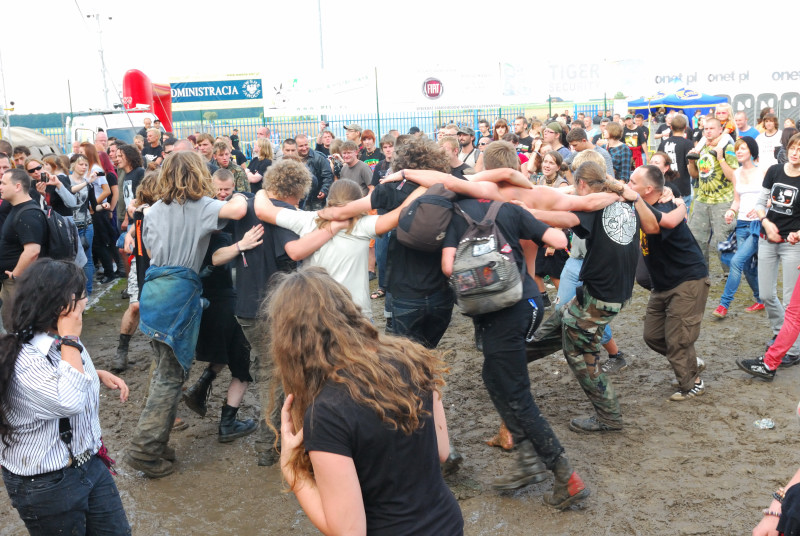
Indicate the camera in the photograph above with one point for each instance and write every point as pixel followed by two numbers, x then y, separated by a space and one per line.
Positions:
pixel 101 173
pixel 43 176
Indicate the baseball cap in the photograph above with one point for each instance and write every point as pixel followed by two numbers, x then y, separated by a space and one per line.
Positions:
pixel 555 126
pixel 466 130
pixel 629 116
pixel 353 126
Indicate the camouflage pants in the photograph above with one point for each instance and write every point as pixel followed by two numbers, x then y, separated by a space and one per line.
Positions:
pixel 262 368
pixel 584 319
pixel 708 226
pixel 161 406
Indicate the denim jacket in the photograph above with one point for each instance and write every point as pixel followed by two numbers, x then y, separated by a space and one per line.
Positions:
pixel 170 308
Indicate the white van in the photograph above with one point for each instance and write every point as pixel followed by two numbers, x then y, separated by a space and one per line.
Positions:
pixel 120 124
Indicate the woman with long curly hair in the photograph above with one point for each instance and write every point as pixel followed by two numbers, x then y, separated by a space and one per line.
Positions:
pixel 361 410
pixel 59 484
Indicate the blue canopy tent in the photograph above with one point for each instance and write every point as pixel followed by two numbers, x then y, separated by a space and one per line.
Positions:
pixel 645 105
pixel 689 101
pixel 686 101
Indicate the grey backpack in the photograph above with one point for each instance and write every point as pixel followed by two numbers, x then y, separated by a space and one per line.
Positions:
pixel 485 279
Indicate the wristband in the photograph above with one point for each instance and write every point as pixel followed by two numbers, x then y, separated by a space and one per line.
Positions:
pixel 238 248
pixel 68 340
pixel 768 512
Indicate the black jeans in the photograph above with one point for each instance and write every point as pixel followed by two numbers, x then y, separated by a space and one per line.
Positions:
pixel 505 375
pixel 75 500
pixel 423 319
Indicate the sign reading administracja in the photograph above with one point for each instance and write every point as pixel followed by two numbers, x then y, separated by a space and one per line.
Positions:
pixel 236 91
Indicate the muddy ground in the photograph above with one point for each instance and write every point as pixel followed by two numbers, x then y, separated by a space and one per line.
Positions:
pixel 698 467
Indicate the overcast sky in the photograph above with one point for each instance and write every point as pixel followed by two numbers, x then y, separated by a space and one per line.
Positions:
pixel 45 43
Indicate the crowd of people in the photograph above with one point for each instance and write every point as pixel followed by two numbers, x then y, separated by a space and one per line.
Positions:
pixel 266 267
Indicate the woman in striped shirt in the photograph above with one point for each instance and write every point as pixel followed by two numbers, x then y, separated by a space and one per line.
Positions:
pixel 54 462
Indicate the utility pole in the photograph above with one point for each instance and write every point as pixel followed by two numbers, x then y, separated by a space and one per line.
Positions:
pixel 97 18
pixel 321 56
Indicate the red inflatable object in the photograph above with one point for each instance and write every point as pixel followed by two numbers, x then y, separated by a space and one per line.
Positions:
pixel 138 90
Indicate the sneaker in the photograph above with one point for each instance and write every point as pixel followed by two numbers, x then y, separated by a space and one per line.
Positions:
pixel 755 308
pixel 756 367
pixel 591 424
pixel 720 312
pixel 699 389
pixel 701 367
pixel 614 364
pixel 790 360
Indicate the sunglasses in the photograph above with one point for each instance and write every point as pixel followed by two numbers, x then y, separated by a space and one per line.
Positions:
pixel 482 143
pixel 34 170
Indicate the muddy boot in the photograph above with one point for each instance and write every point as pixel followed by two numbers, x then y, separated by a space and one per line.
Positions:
pixel 529 469
pixel 230 428
pixel 568 487
pixel 120 361
pixel 152 469
pixel 196 396
pixel 453 462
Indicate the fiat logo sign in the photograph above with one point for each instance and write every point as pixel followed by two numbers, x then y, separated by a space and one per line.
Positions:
pixel 432 88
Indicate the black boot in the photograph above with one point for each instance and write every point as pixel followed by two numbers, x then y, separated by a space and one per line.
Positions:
pixel 230 428
pixel 568 487
pixel 529 469
pixel 120 361
pixel 196 396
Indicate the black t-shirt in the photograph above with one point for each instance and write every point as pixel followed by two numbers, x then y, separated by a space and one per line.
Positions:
pixel 525 144
pixel 151 154
pixel 612 251
pixel 458 172
pixel 29 228
pixel 239 156
pixel 217 280
pixel 400 476
pixel 235 142
pixel 514 222
pixel 673 256
pixel 783 192
pixel 380 171
pixel 370 159
pixel 262 261
pixel 697 135
pixel 54 199
pixel 635 137
pixel 677 147
pixel 258 166
pixel 664 130
pixel 130 185
pixel 412 273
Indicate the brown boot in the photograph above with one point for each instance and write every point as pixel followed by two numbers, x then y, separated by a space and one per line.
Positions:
pixel 568 487
pixel 529 469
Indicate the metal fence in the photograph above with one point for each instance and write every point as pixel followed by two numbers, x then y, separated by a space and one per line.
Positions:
pixel 289 127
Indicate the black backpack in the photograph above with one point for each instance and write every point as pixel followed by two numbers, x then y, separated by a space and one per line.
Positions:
pixel 63 240
pixel 423 224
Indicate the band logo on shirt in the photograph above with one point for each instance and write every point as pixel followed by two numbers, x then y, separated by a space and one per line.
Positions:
pixel 783 198
pixel 619 222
